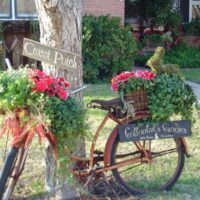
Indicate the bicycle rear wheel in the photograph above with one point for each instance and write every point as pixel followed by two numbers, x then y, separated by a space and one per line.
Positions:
pixel 142 177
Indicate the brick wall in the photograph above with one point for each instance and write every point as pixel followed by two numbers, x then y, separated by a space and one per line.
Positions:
pixel 104 7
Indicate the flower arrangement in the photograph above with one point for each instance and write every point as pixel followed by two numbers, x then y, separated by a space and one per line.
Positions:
pixel 167 92
pixel 125 76
pixel 52 86
pixel 36 103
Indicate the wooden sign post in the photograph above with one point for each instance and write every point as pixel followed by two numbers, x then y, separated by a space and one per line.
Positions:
pixel 54 56
pixel 66 60
pixel 162 130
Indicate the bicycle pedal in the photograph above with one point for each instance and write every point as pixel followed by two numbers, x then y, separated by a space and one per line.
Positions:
pixel 98 152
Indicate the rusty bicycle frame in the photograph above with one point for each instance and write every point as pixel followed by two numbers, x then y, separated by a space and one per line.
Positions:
pixel 92 159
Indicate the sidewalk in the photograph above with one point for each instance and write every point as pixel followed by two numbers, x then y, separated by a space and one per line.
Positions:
pixel 195 87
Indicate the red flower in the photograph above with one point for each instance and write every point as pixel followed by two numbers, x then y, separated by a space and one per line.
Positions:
pixel 62 94
pixel 61 79
pixel 50 80
pixel 52 86
pixel 67 84
pixel 58 87
pixel 51 93
pixel 41 86
pixel 38 73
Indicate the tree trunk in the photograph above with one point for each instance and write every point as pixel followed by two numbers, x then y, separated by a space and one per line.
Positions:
pixel 60 27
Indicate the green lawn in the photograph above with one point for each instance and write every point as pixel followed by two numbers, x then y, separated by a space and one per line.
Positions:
pixel 191 74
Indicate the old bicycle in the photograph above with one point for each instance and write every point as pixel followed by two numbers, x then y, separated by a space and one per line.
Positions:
pixel 138 166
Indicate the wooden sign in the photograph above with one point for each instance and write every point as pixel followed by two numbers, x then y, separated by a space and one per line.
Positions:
pixel 54 56
pixel 146 131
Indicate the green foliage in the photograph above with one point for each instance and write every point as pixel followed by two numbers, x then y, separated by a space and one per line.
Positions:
pixel 154 12
pixel 2 28
pixel 15 89
pixel 152 40
pixel 107 48
pixel 67 119
pixel 193 28
pixel 34 28
pixel 70 120
pixel 168 95
pixel 184 56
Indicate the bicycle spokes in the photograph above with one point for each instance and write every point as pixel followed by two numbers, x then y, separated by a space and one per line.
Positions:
pixel 166 162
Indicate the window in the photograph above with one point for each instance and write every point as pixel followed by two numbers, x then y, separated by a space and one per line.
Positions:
pixel 17 9
pixel 24 8
pixel 194 9
pixel 5 9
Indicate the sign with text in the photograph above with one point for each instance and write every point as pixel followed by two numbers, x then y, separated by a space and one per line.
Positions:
pixel 147 131
pixel 54 56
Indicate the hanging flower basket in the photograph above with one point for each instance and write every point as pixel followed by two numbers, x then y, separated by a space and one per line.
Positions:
pixel 138 98
pixel 136 95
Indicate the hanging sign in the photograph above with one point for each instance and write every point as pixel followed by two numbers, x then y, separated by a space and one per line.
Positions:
pixel 54 56
pixel 146 131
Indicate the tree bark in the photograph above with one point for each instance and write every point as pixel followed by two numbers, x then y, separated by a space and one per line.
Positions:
pixel 60 27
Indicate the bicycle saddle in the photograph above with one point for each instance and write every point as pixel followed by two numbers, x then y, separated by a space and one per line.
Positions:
pixel 106 104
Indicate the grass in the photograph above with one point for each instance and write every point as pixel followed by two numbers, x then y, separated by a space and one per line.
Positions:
pixel 191 74
pixel 186 188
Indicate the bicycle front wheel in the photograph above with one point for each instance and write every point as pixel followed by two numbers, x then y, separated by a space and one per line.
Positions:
pixel 10 170
pixel 141 177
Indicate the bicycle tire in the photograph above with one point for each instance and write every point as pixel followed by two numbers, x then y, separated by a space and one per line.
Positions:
pixel 6 172
pixel 140 181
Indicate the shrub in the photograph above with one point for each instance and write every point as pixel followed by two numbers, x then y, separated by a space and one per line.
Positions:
pixel 184 56
pixel 107 48
pixel 193 28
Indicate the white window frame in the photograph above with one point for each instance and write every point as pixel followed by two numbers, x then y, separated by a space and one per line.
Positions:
pixel 13 13
pixel 192 2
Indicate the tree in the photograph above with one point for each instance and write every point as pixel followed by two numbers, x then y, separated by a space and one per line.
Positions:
pixel 60 27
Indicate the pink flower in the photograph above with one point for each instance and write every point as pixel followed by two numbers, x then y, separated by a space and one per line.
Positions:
pixel 62 94
pixel 125 76
pixel 139 74
pixel 114 86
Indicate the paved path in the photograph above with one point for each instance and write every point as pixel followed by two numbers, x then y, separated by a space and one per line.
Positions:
pixel 196 88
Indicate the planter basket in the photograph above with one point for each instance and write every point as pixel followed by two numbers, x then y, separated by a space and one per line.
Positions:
pixel 138 98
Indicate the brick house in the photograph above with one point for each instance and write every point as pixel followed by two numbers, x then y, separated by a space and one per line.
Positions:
pixel 104 7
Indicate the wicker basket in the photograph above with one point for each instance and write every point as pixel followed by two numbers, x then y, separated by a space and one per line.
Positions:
pixel 138 98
